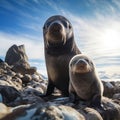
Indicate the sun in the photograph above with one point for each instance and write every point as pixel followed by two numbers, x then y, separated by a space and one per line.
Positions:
pixel 111 39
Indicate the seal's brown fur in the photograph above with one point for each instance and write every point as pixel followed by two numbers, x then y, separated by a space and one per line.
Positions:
pixel 59 47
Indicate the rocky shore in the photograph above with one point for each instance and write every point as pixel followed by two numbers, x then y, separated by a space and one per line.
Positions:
pixel 21 85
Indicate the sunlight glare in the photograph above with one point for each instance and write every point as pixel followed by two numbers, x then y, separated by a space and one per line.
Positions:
pixel 111 39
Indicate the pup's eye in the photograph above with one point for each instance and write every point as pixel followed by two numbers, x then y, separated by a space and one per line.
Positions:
pixel 73 63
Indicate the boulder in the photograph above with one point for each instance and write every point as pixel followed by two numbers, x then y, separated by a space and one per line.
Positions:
pixel 17 88
pixel 111 88
pixel 9 94
pixel 9 77
pixel 92 114
pixel 18 59
pixel 4 110
pixel 26 78
pixel 57 112
pixel 116 96
pixel 23 67
pixel 15 53
pixel 109 110
pixel 44 111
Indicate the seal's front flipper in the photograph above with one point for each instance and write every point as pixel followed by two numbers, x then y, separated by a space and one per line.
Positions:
pixel 50 90
pixel 97 102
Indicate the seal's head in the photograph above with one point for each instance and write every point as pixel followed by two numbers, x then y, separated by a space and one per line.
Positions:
pixel 57 29
pixel 81 64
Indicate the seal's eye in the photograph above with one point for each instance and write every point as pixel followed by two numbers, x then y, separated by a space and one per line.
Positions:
pixel 73 63
pixel 46 25
pixel 70 64
pixel 64 23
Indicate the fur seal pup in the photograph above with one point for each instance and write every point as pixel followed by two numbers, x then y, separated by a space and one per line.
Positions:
pixel 84 81
pixel 59 48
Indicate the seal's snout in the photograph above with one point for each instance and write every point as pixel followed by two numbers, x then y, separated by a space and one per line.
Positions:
pixel 81 63
pixel 55 27
pixel 56 33
pixel 80 66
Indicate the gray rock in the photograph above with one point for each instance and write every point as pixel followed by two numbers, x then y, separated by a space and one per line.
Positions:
pixel 15 53
pixel 116 96
pixel 17 58
pixel 37 77
pixel 26 78
pixel 9 94
pixel 111 88
pixel 92 114
pixel 5 66
pixel 23 67
pixel 52 112
pixel 44 111
pixel 111 110
pixel 21 87
pixel 4 110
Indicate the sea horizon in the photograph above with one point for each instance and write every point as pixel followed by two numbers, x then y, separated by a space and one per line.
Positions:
pixel 106 72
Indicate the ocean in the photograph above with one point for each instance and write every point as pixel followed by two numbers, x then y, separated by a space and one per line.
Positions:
pixel 108 68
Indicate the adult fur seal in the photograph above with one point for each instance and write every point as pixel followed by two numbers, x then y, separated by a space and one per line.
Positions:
pixel 59 47
pixel 84 81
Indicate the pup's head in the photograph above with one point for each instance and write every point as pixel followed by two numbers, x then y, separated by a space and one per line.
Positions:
pixel 81 64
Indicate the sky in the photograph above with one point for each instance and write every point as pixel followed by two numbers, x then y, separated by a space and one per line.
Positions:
pixel 96 25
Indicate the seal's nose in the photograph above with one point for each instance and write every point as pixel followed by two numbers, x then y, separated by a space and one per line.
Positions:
pixel 81 63
pixel 55 26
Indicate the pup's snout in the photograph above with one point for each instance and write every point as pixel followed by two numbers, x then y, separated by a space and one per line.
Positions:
pixel 81 63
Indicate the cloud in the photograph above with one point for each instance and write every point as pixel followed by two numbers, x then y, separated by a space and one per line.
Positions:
pixel 117 3
pixel 33 26
pixel 90 36
pixel 34 46
pixel 89 33
pixel 27 14
pixel 53 5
